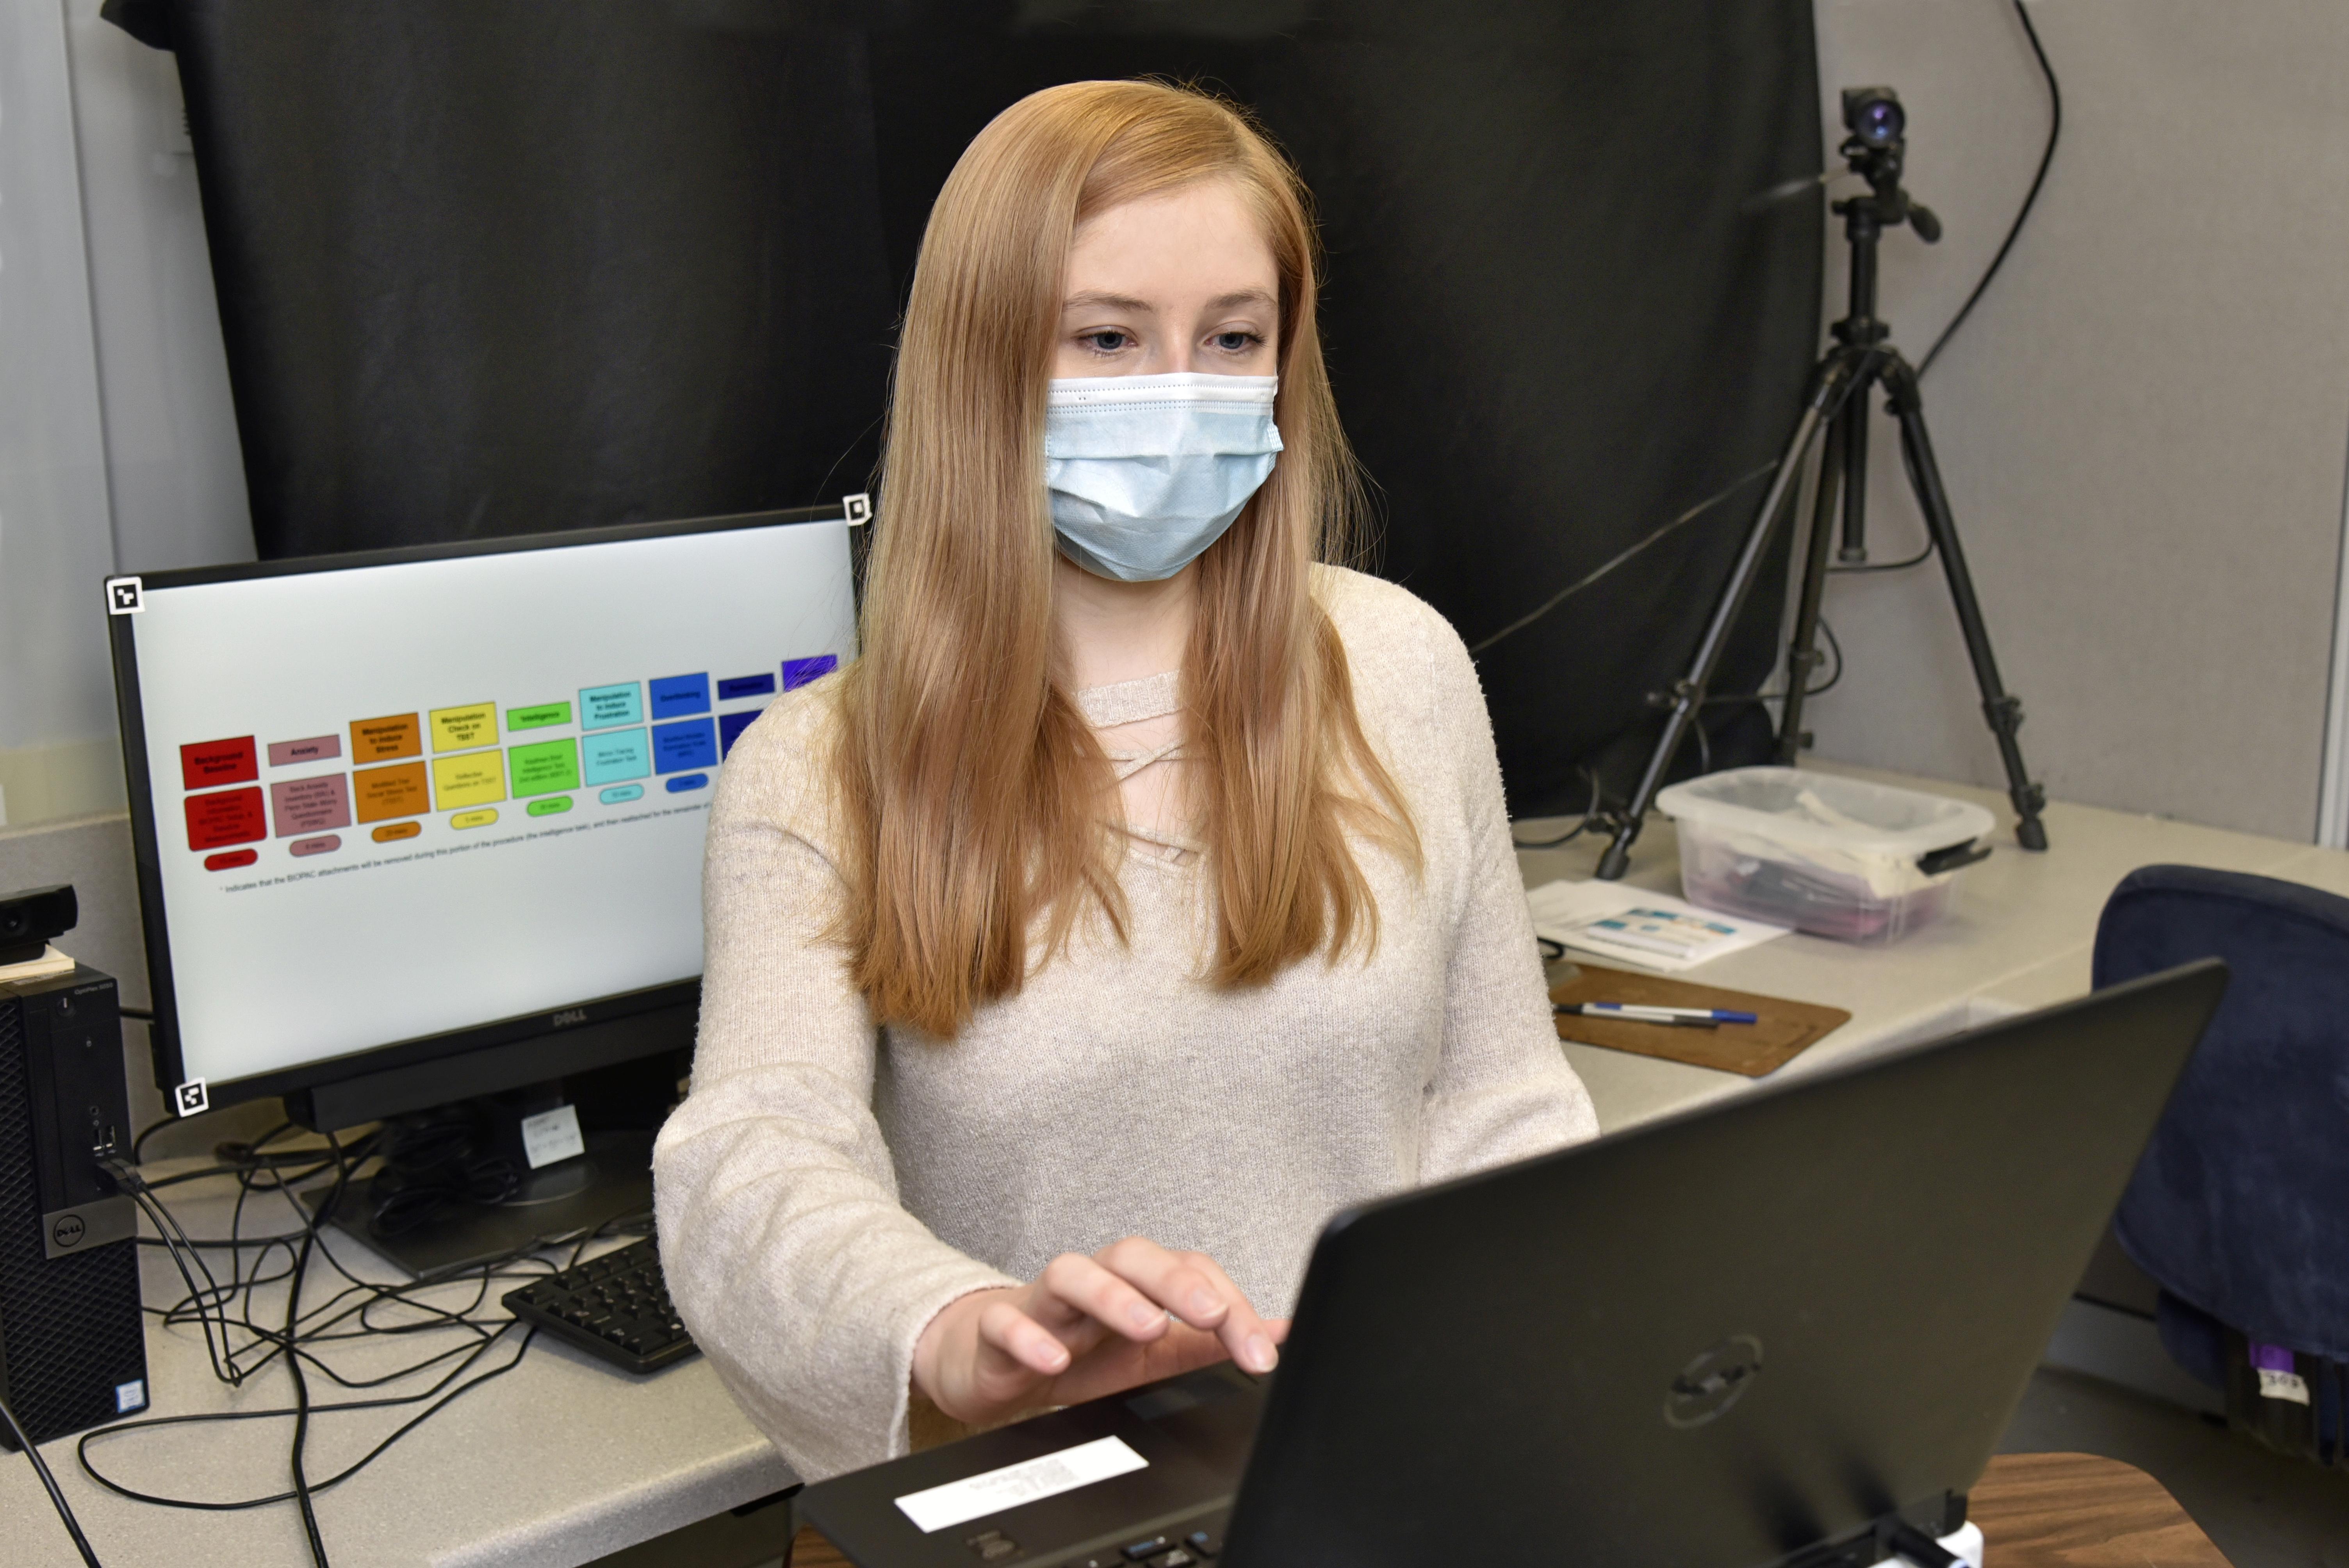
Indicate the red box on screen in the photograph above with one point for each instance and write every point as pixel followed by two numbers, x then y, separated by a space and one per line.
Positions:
pixel 209 763
pixel 224 817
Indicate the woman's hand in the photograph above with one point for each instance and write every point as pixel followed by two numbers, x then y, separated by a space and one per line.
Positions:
pixel 1132 1313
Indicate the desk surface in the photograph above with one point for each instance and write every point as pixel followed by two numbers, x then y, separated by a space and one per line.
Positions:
pixel 2037 1511
pixel 565 1461
pixel 2020 938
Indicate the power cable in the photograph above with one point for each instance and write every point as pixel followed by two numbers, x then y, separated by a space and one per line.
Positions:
pixel 2047 157
pixel 23 1439
pixel 223 1305
pixel 1571 589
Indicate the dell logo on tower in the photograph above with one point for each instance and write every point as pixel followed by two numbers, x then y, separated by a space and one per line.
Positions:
pixel 1714 1381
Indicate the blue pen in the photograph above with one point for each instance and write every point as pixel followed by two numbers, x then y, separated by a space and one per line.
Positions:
pixel 1658 1015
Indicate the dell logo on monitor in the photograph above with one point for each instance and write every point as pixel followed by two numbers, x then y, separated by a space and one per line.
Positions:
pixel 568 1017
pixel 1714 1381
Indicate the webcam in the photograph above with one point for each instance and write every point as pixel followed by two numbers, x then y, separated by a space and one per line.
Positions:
pixel 28 919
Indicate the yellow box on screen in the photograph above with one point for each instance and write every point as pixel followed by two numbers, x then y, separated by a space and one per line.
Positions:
pixel 472 779
pixel 455 729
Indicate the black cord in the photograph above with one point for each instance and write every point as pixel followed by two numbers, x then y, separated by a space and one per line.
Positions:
pixel 1579 584
pixel 138 1012
pixel 2047 157
pixel 23 1439
pixel 139 1142
pixel 347 1313
pixel 1590 817
pixel 1916 487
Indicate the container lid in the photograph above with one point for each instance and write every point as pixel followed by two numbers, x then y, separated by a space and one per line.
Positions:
pixel 1825 810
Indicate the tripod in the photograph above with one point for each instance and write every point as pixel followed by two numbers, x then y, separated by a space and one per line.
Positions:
pixel 1836 409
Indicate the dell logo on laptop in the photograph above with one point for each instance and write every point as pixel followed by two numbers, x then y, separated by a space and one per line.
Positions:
pixel 568 1017
pixel 1715 1380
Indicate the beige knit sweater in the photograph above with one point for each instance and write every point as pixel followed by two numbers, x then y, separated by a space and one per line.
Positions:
pixel 827 1186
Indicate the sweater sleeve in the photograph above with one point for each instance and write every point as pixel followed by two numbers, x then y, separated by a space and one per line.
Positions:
pixel 787 1250
pixel 1502 1089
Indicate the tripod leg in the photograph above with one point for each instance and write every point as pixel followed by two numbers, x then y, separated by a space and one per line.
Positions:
pixel 1802 648
pixel 1687 696
pixel 2003 709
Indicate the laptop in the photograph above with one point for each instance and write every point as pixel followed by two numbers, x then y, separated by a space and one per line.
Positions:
pixel 1769 1331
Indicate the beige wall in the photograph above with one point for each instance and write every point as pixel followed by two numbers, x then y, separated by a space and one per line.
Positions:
pixel 2144 425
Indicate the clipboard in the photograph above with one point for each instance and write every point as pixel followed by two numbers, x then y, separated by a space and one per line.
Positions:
pixel 1784 1031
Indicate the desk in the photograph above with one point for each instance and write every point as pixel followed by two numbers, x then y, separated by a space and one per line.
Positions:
pixel 2037 1511
pixel 557 1463
pixel 564 1461
pixel 2020 938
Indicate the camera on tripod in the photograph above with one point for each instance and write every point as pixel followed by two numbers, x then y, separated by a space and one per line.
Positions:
pixel 1874 116
pixel 1834 424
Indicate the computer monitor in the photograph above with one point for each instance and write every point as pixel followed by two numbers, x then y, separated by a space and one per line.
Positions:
pixel 422 824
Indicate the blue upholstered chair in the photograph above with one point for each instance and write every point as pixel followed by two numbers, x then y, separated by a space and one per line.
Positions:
pixel 2239 1210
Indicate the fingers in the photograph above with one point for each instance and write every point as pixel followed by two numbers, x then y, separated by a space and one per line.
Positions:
pixel 1251 1340
pixel 1075 1294
pixel 1006 1334
pixel 1194 1288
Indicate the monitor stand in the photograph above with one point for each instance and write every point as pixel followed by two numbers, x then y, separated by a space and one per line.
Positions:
pixel 612 1181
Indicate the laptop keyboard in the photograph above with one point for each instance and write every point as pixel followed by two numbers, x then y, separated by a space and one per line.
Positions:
pixel 1192 1548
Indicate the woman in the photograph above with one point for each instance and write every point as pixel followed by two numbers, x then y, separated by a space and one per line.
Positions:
pixel 1143 892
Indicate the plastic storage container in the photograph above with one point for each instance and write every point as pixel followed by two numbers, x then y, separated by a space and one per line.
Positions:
pixel 1836 857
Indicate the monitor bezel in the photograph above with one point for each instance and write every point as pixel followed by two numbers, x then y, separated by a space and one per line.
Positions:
pixel 146 846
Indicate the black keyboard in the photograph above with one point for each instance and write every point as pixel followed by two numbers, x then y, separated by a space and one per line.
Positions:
pixel 1198 1543
pixel 615 1307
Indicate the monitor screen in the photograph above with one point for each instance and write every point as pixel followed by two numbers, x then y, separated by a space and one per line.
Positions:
pixel 387 799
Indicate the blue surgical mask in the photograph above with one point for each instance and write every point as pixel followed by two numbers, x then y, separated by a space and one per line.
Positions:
pixel 1147 471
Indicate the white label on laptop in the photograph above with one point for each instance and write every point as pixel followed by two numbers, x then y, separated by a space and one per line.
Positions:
pixel 1029 1481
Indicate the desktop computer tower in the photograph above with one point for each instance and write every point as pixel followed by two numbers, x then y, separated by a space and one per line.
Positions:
pixel 73 1347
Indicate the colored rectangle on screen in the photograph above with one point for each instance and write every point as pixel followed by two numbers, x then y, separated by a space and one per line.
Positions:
pixel 674 696
pixel 378 793
pixel 208 764
pixel 316 748
pixel 224 817
pixel 730 727
pixel 609 758
pixel 310 805
pixel 474 778
pixel 463 728
pixel 610 706
pixel 797 673
pixel 546 769
pixel 677 747
pixel 539 717
pixel 382 740
pixel 740 687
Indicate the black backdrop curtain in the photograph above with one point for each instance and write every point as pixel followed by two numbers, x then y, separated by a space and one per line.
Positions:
pixel 504 267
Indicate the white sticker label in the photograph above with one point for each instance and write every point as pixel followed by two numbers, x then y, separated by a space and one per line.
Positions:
pixel 192 1098
pixel 130 1396
pixel 2288 1385
pixel 1029 1481
pixel 552 1135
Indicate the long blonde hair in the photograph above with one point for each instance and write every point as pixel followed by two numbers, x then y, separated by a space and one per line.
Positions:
pixel 975 795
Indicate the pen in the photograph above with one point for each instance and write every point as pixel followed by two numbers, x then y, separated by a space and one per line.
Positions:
pixel 1659 1020
pixel 1657 1015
